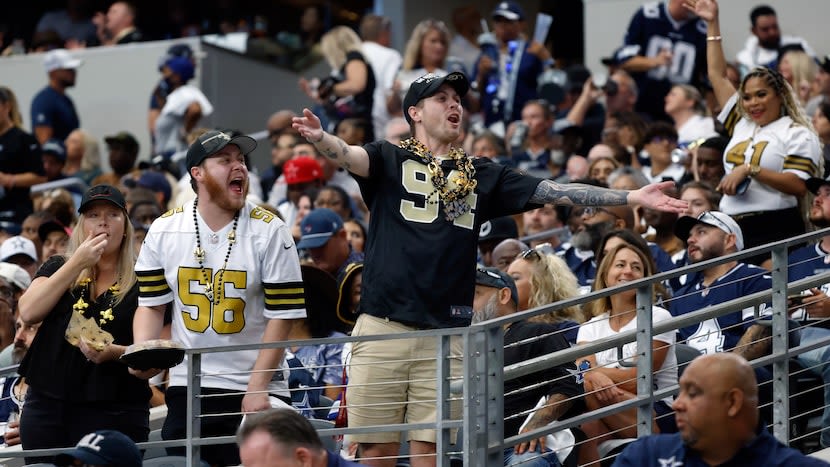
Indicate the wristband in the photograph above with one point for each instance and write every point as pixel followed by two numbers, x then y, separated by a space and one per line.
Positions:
pixel 714 38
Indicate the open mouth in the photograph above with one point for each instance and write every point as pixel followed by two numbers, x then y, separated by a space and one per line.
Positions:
pixel 237 185
pixel 454 118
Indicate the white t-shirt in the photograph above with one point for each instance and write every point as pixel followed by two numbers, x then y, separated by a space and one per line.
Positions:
pixel 598 328
pixel 170 123
pixel 694 129
pixel 385 64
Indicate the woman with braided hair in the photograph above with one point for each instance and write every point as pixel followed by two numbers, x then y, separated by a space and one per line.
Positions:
pixel 773 147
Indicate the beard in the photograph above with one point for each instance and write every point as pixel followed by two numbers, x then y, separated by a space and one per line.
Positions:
pixel 490 310
pixel 819 220
pixel 18 352
pixel 589 237
pixel 219 194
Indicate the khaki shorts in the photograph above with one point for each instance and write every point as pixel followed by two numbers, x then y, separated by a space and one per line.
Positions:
pixel 394 381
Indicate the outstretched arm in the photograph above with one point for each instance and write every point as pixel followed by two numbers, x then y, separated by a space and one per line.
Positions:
pixel 575 194
pixel 352 158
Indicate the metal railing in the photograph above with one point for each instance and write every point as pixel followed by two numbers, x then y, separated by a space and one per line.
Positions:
pixel 480 387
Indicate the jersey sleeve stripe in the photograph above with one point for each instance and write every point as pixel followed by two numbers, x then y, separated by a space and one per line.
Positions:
pixel 805 164
pixel 732 119
pixel 152 283
pixel 284 296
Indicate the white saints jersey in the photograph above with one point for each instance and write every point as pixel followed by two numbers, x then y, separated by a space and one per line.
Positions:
pixel 780 146
pixel 262 281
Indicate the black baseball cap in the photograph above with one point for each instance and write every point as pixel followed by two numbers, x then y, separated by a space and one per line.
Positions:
pixel 102 193
pixel 496 278
pixel 427 85
pixel 814 183
pixel 212 142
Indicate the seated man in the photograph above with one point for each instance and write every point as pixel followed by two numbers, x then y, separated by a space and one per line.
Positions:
pixel 711 235
pixel 283 437
pixel 718 422
pixel 496 296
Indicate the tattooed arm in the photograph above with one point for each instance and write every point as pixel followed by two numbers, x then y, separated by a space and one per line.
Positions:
pixel 574 194
pixel 352 158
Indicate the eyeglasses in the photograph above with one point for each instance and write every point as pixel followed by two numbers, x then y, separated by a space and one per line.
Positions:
pixel 538 251
pixel 591 211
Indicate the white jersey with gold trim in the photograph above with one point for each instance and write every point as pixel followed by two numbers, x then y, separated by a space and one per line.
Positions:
pixel 262 281
pixel 780 146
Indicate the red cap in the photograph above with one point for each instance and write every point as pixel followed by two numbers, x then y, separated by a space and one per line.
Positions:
pixel 302 170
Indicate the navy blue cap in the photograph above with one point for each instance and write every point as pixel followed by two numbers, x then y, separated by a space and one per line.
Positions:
pixel 152 180
pixel 317 228
pixel 55 148
pixel 104 447
pixel 496 278
pixel 508 10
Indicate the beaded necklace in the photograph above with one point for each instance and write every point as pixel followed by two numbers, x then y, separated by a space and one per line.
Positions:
pixel 199 253
pixel 455 199
pixel 81 305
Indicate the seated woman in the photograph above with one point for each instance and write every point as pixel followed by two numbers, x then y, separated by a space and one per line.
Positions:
pixel 607 382
pixel 542 279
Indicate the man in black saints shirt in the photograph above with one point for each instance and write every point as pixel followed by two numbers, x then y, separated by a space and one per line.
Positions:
pixel 427 200
pixel 496 296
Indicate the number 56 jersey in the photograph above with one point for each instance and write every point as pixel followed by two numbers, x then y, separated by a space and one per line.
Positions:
pixel 215 306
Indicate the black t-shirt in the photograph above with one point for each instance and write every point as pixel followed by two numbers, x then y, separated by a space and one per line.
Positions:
pixel 54 367
pixel 19 153
pixel 559 380
pixel 420 267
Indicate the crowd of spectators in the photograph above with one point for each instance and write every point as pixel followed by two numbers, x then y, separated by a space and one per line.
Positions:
pixel 743 140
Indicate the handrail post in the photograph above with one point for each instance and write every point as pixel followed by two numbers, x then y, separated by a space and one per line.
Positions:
pixel 644 359
pixel 780 345
pixel 443 371
pixel 483 422
pixel 194 409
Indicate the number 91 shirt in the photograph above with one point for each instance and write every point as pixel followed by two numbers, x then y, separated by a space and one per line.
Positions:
pixel 261 281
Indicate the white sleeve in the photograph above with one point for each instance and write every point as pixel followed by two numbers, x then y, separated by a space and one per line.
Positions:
pixel 803 152
pixel 282 280
pixel 153 287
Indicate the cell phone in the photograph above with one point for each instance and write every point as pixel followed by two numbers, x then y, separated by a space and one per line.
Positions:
pixel 796 299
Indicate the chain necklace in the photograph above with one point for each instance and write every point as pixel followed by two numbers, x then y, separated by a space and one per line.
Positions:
pixel 455 199
pixel 199 253
pixel 81 305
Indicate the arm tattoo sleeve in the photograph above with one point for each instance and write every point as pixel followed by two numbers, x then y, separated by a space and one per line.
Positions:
pixel 334 148
pixel 574 194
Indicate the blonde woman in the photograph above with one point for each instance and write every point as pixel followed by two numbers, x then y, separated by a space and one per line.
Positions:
pixel 607 382
pixel 426 52
pixel 79 387
pixel 83 156
pixel 348 92
pixel 542 279
pixel 799 70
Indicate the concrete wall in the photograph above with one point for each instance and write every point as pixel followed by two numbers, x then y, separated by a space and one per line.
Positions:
pixel 607 20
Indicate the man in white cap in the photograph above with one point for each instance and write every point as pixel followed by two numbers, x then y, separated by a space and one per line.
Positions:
pixel 21 251
pixel 713 234
pixel 53 112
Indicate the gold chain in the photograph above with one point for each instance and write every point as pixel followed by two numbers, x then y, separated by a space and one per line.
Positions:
pixel 81 305
pixel 454 198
